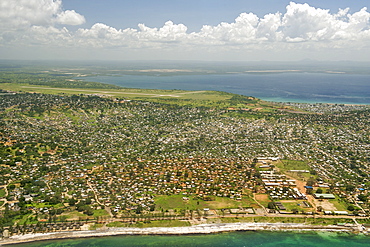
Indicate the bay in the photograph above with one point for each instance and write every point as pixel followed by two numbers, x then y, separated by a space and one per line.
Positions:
pixel 278 87
pixel 230 239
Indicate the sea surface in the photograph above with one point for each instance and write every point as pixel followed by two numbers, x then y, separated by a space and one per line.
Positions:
pixel 278 87
pixel 231 239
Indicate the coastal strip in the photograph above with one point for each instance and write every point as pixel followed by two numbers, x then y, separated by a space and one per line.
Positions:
pixel 195 229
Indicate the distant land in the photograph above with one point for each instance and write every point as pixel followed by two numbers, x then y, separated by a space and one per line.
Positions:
pixel 301 82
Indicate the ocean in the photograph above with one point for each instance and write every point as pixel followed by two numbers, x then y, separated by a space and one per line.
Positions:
pixel 278 87
pixel 229 239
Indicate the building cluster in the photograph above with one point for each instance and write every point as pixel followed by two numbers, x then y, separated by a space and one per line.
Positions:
pixel 98 152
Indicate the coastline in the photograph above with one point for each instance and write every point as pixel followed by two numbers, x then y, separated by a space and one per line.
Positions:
pixel 195 229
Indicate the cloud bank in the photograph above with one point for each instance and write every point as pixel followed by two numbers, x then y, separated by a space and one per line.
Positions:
pixel 44 23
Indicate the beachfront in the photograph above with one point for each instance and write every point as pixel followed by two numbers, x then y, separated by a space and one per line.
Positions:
pixel 195 229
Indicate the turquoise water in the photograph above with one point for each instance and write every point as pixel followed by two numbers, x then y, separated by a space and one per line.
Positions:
pixel 283 87
pixel 233 239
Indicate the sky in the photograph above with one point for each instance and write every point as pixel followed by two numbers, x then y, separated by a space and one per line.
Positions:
pixel 210 30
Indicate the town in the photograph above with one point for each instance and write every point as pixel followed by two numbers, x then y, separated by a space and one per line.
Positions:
pixel 69 162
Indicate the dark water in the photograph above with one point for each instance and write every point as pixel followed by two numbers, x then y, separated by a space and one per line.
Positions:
pixel 234 239
pixel 283 87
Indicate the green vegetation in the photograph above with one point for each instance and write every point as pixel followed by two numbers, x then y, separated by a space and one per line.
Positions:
pixel 286 167
pixel 96 226
pixel 56 78
pixel 250 108
pixel 118 224
pixel 176 202
pixel 328 221
pixel 161 157
pixel 100 213
pixel 152 223
pixel 302 220
pixel 192 203
pixel 162 223
pixel 363 221
pixel 339 204
pixel 2 193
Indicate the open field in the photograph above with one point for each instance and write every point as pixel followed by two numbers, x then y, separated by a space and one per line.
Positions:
pixel 263 199
pixel 285 166
pixel 292 205
pixel 100 212
pixel 179 97
pixel 177 202
pixel 124 92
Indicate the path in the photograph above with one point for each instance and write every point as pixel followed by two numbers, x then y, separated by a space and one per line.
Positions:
pixel 4 199
pixel 95 194
pixel 254 198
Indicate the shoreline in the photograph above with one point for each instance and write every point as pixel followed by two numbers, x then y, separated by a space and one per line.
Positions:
pixel 188 230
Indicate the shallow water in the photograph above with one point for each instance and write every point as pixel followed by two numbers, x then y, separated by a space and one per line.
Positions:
pixel 231 239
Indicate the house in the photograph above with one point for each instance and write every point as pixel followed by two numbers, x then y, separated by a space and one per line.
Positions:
pixel 324 196
pixel 28 198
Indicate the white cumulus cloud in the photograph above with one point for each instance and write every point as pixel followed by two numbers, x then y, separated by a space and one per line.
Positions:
pixel 22 14
pixel 302 27
pixel 70 17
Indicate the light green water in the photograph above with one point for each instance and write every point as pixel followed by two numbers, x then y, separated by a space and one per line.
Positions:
pixel 233 239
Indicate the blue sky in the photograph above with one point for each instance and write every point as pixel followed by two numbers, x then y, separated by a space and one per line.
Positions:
pixel 185 30
pixel 193 13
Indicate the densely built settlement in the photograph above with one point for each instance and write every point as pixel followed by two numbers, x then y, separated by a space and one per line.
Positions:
pixel 75 162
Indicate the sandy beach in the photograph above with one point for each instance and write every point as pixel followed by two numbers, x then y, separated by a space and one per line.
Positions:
pixel 196 229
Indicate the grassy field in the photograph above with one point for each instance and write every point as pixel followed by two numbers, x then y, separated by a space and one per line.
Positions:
pixel 263 199
pixel 179 97
pixel 298 205
pixel 162 223
pixel 177 202
pixel 286 165
pixel 73 215
pixel 339 204
pixel 100 212
pixel 131 93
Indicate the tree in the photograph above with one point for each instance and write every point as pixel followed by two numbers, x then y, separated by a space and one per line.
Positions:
pixel 139 209
pixel 319 191
pixel 72 202
pixel 311 182
pixel 362 197
pixel 350 208
pixel 271 205
pixel 350 187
